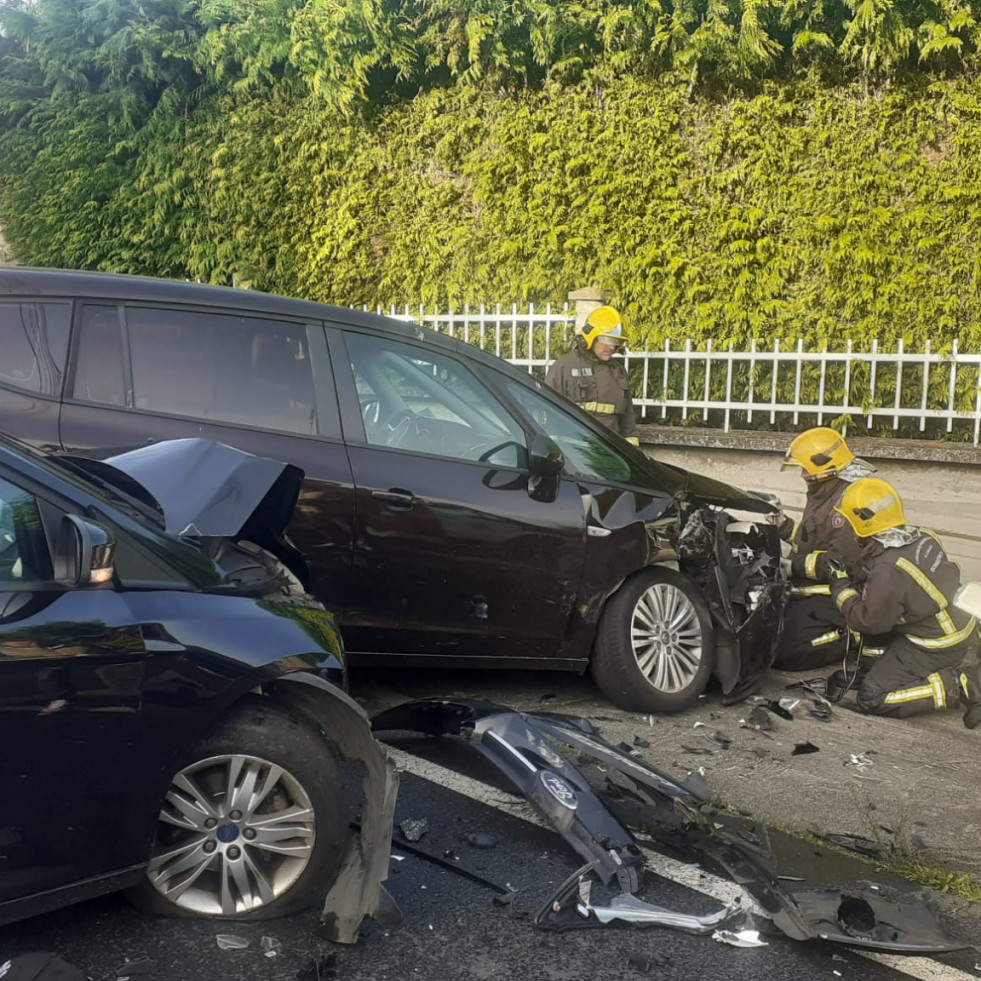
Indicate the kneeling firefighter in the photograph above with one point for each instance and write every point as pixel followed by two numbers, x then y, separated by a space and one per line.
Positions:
pixel 814 633
pixel 592 378
pixel 913 637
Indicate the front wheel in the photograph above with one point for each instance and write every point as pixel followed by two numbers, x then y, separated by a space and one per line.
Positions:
pixel 253 826
pixel 655 646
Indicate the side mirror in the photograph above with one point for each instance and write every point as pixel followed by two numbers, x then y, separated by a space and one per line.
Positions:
pixel 545 463
pixel 84 553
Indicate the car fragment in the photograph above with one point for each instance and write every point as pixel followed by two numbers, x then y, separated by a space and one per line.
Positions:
pixel 592 793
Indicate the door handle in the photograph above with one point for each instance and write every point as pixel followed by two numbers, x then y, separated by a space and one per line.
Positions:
pixel 396 497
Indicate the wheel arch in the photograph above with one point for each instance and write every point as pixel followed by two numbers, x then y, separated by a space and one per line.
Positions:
pixel 358 891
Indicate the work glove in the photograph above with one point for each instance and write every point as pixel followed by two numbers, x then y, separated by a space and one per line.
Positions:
pixel 836 571
pixel 786 566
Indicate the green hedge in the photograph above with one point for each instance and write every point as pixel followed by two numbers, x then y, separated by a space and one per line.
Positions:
pixel 827 214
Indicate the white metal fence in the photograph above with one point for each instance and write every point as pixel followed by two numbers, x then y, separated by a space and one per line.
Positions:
pixel 922 393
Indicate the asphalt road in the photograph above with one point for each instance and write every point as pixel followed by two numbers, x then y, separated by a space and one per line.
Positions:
pixel 453 927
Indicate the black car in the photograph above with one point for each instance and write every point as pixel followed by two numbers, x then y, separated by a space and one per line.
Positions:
pixel 455 510
pixel 172 703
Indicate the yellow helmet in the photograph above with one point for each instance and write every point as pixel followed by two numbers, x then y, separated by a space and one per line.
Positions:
pixel 603 322
pixel 822 453
pixel 871 506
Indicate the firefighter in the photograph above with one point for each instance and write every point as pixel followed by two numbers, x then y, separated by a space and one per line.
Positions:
pixel 906 600
pixel 814 632
pixel 591 377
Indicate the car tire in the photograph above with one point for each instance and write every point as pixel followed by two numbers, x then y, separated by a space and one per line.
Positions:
pixel 655 648
pixel 271 854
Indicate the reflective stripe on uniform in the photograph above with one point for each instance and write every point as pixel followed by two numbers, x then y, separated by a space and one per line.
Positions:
pixel 870 651
pixel 951 635
pixel 845 594
pixel 632 440
pixel 823 590
pixel 810 565
pixel 949 640
pixel 601 408
pixel 933 690
pixel 829 637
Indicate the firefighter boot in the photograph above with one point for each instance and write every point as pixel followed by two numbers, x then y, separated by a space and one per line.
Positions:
pixel 970 685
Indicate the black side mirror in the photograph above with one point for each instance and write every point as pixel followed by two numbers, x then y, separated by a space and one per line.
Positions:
pixel 84 553
pixel 545 463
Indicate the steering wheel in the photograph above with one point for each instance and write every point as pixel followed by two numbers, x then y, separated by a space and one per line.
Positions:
pixel 397 426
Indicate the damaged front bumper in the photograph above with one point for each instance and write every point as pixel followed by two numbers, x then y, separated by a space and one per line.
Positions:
pixel 591 792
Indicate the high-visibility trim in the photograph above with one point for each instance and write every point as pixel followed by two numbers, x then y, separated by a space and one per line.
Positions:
pixel 822 590
pixel 845 594
pixel 921 580
pixel 828 638
pixel 872 651
pixel 632 440
pixel 810 565
pixel 939 643
pixel 601 408
pixel 939 690
pixel 909 695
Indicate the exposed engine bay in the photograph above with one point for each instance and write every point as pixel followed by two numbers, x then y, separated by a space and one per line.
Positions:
pixel 734 558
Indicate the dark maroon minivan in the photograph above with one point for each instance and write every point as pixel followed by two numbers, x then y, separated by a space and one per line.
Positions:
pixel 454 508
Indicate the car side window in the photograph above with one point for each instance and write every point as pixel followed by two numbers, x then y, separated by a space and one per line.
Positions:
pixel 417 399
pixel 586 454
pixel 99 358
pixel 222 367
pixel 24 554
pixel 34 341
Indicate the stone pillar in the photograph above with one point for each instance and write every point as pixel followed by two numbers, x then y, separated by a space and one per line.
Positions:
pixel 586 300
pixel 5 253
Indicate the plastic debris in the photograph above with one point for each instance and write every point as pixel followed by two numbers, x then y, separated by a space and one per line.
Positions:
pixel 719 738
pixel 740 938
pixel 800 749
pixel 759 719
pixel 789 703
pixel 228 941
pixel 642 743
pixel 414 828
pixel 860 760
pixel 270 946
pixel 480 839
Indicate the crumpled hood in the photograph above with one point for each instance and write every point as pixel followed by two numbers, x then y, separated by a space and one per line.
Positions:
pixel 707 490
pixel 204 488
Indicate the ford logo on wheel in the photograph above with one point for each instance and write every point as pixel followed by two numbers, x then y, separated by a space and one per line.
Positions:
pixel 559 789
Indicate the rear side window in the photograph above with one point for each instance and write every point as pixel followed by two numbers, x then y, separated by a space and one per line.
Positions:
pixel 218 367
pixel 34 342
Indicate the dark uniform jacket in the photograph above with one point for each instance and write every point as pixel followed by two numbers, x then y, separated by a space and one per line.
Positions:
pixel 822 532
pixel 908 590
pixel 599 387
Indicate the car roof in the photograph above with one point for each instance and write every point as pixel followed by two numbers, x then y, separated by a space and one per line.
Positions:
pixel 70 284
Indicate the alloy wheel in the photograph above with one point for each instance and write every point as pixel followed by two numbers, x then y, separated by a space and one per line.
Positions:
pixel 234 833
pixel 666 637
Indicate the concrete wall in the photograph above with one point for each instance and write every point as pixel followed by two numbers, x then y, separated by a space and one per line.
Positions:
pixel 940 484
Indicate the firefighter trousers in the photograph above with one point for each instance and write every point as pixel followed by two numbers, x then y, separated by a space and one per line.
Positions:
pixel 907 679
pixel 813 634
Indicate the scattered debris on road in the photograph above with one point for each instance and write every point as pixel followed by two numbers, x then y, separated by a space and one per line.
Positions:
pixel 591 792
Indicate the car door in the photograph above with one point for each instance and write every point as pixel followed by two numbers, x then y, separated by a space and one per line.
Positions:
pixel 71 668
pixel 144 373
pixel 33 351
pixel 453 556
